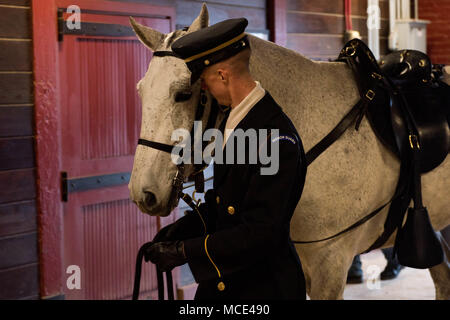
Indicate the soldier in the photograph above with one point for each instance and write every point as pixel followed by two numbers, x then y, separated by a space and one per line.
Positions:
pixel 238 245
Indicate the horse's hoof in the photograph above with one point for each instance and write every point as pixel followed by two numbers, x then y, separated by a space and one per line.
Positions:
pixel 391 272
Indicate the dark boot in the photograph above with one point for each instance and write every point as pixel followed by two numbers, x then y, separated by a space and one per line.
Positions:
pixel 393 267
pixel 355 273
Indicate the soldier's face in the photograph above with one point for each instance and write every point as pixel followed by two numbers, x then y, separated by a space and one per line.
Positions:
pixel 215 81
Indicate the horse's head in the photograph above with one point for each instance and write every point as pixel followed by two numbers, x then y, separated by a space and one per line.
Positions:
pixel 169 102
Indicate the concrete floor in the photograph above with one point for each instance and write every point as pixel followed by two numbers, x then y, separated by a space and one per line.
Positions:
pixel 411 284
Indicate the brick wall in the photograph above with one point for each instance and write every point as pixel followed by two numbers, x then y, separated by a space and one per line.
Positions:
pixel 438 31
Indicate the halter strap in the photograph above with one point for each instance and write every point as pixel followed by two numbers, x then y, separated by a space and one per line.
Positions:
pixel 156 145
pixel 199 112
pixel 198 168
pixel 165 54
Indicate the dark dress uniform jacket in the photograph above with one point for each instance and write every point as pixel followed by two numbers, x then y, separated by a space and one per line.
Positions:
pixel 247 246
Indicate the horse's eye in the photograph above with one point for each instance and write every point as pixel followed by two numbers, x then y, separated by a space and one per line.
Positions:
pixel 183 96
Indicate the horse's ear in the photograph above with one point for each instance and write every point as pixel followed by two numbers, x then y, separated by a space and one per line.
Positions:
pixel 148 36
pixel 202 21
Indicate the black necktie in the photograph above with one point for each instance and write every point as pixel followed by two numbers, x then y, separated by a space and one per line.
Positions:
pixel 224 122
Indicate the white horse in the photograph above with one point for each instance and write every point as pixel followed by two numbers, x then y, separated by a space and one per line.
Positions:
pixel 350 179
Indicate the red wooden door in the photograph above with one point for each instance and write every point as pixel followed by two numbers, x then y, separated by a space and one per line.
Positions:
pixel 100 125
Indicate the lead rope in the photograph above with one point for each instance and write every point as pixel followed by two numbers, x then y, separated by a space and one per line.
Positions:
pixel 177 186
pixel 178 182
pixel 159 276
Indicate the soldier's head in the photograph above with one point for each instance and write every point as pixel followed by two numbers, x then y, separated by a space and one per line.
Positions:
pixel 219 55
pixel 222 76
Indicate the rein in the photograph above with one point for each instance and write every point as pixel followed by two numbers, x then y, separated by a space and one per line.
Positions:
pixel 177 185
pixel 159 276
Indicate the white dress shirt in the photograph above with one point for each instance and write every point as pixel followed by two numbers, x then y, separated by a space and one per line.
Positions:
pixel 240 111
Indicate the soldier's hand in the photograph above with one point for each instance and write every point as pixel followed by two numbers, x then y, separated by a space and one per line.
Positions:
pixel 164 234
pixel 166 255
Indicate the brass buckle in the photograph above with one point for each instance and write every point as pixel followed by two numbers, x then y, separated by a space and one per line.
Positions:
pixel 350 51
pixel 376 76
pixel 370 94
pixel 197 202
pixel 411 137
pixel 178 179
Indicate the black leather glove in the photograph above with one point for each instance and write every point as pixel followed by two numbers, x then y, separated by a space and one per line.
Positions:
pixel 189 226
pixel 166 255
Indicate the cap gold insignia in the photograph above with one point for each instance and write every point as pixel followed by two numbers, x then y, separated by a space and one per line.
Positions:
pixel 223 45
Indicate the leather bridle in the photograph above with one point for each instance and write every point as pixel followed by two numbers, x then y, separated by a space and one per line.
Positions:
pixel 177 183
pixel 197 175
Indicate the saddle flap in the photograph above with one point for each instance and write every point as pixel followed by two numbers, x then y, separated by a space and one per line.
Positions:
pixel 428 107
pixel 425 101
pixel 407 67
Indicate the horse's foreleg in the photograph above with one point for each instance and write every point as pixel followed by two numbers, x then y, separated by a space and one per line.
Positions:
pixel 326 273
pixel 441 273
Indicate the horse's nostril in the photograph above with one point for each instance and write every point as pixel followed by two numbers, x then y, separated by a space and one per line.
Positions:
pixel 150 199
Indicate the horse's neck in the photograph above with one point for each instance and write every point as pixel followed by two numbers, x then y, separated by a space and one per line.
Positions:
pixel 315 95
pixel 274 66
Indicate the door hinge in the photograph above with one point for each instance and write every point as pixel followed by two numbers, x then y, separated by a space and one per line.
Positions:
pixel 64 192
pixel 91 28
pixel 91 182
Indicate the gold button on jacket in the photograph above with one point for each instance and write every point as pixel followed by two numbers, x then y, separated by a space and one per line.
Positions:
pixel 230 210
pixel 221 286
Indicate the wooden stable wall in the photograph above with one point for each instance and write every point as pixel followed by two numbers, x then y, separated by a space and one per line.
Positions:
pixel 316 28
pixel 188 10
pixel 19 265
pixel 18 227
